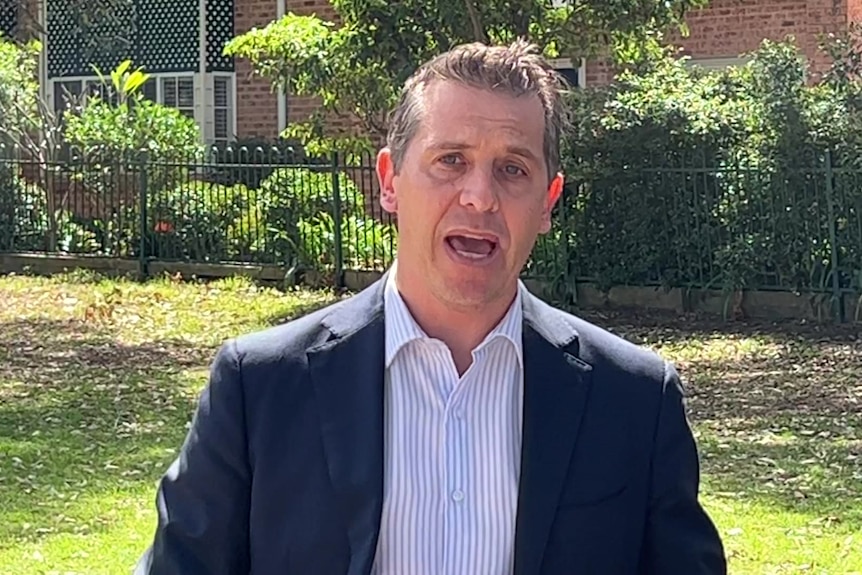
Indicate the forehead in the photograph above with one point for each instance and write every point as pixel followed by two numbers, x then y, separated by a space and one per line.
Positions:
pixel 453 111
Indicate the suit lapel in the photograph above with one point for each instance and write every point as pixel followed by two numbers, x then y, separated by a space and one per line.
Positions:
pixel 347 371
pixel 347 374
pixel 556 388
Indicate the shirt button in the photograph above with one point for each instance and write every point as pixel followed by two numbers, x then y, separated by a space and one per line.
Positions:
pixel 458 495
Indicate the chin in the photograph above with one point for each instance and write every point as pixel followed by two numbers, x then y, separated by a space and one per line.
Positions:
pixel 472 292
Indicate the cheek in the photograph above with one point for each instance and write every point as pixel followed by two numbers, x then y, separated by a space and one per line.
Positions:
pixel 524 225
pixel 524 218
pixel 419 216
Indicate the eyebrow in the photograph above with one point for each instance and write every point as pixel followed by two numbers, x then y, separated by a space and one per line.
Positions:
pixel 453 145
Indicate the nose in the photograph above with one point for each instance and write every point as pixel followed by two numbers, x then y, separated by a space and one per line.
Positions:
pixel 479 189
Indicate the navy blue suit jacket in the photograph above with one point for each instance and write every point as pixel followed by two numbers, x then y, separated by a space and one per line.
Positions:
pixel 282 470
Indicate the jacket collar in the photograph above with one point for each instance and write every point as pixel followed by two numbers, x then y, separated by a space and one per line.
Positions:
pixel 347 374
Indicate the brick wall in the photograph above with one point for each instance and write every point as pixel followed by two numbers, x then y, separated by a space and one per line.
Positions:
pixel 257 107
pixel 726 28
pixel 256 104
pixel 729 28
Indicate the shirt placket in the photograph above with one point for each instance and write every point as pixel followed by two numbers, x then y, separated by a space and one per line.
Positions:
pixel 459 487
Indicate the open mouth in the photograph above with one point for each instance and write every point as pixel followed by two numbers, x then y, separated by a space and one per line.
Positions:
pixel 472 247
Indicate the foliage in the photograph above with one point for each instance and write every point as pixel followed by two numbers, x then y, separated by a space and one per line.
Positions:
pixel 201 221
pixel 299 210
pixel 28 124
pixel 19 89
pixel 125 124
pixel 124 143
pixel 23 212
pixel 358 66
pixel 289 219
pixel 731 179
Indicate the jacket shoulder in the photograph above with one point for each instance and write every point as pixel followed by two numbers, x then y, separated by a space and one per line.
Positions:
pixel 288 340
pixel 605 350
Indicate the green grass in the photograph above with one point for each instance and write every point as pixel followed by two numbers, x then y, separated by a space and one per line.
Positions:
pixel 98 380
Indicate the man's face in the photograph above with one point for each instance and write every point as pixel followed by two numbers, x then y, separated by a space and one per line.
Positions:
pixel 471 194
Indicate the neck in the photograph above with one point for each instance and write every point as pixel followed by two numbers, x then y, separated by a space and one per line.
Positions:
pixel 461 329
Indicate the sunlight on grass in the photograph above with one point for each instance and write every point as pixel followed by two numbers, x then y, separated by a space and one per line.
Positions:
pixel 98 380
pixel 761 539
pixel 101 534
pixel 720 348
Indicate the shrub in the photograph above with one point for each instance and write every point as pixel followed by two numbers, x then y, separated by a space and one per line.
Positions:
pixel 298 207
pixel 118 132
pixel 201 221
pixel 687 178
pixel 23 212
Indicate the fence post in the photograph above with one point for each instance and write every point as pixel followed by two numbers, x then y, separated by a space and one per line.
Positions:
pixel 569 278
pixel 143 272
pixel 336 216
pixel 833 239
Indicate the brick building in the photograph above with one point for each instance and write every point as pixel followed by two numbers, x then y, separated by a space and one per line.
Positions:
pixel 719 35
pixel 180 44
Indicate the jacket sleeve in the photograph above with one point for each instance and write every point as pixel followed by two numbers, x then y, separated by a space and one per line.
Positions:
pixel 681 539
pixel 203 499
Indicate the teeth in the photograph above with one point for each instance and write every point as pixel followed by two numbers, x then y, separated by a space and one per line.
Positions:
pixel 470 255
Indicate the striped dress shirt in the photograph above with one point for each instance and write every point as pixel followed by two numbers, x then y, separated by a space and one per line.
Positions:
pixel 452 449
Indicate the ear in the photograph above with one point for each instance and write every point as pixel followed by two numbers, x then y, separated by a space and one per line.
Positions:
pixel 555 189
pixel 386 178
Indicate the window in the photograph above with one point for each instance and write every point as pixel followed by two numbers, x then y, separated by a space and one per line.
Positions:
pixel 209 100
pixel 222 106
pixel 717 64
pixel 575 76
pixel 172 91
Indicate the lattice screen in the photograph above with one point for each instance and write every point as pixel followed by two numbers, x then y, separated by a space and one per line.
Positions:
pixel 64 44
pixel 168 38
pixel 219 31
pixel 160 35
pixel 8 17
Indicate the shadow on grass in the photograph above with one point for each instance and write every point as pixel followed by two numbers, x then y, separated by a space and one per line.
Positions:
pixel 81 415
pixel 778 410
pixel 646 326
pixel 299 310
pixel 777 407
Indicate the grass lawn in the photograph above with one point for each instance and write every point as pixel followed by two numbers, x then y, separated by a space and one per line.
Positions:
pixel 98 380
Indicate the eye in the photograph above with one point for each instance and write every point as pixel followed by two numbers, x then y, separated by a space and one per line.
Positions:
pixel 450 159
pixel 514 170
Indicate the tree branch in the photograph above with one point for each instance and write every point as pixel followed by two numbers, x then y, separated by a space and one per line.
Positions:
pixel 521 19
pixel 478 31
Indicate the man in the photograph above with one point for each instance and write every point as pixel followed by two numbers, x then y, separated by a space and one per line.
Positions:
pixel 444 420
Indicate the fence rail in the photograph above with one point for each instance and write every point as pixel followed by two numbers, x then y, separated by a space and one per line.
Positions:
pixel 796 228
pixel 248 207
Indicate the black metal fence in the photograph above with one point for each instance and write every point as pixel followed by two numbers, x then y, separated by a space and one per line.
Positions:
pixel 796 228
pixel 234 206
pixel 263 206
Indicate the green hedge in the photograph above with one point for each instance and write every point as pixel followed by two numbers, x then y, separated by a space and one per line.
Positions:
pixel 737 179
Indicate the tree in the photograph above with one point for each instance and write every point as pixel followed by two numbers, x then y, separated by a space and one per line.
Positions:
pixel 28 124
pixel 93 16
pixel 357 66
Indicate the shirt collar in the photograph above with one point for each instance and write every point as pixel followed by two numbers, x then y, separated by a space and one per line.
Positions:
pixel 401 328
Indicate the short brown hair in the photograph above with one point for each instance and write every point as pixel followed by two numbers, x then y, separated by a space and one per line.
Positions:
pixel 516 69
